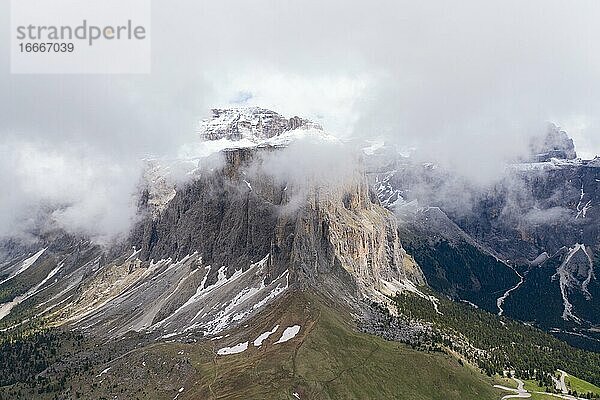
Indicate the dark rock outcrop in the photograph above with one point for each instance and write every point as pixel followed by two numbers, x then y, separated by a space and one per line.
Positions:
pixel 555 144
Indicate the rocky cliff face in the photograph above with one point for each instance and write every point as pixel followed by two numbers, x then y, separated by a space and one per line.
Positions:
pixel 210 252
pixel 233 218
pixel 343 233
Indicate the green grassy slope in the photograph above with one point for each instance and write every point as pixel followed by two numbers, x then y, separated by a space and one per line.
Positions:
pixel 328 359
pixel 581 386
pixel 366 367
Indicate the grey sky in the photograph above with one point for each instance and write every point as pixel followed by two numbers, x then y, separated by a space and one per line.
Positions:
pixel 464 82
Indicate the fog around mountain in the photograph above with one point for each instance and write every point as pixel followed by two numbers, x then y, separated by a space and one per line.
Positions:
pixel 463 85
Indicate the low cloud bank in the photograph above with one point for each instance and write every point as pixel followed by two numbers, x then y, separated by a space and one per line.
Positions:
pixel 464 84
pixel 68 188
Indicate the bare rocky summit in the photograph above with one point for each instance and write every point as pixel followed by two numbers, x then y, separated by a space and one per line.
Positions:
pixel 255 122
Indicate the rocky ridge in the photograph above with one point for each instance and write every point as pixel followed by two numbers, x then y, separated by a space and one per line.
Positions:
pixel 213 250
pixel 251 122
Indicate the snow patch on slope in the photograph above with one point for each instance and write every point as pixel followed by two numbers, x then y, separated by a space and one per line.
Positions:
pixel 569 282
pixel 582 209
pixel 25 265
pixel 6 308
pixel 217 307
pixel 238 348
pixel 289 333
pixel 264 336
pixel 387 195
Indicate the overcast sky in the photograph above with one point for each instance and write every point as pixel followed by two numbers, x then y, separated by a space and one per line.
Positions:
pixel 463 82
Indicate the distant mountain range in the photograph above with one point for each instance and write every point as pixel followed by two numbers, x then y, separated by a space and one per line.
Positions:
pixel 526 246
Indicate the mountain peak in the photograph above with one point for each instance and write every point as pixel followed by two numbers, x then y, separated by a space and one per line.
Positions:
pixel 250 122
pixel 555 144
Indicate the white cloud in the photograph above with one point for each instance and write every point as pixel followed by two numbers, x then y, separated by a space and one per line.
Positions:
pixel 327 99
pixel 84 193
pixel 465 83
